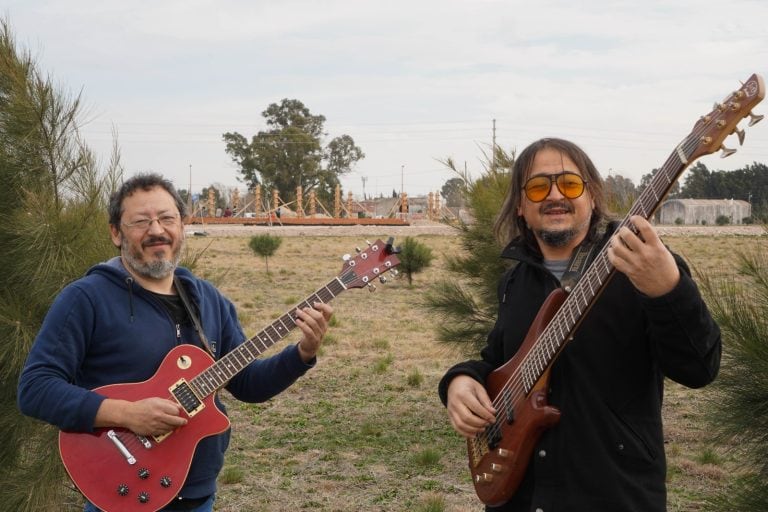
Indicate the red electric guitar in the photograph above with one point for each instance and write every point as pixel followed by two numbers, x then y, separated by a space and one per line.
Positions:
pixel 498 457
pixel 119 471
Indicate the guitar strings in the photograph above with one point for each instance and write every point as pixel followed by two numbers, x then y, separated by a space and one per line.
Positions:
pixel 218 374
pixel 515 389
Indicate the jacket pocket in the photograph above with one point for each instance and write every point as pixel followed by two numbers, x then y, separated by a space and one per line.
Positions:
pixel 633 438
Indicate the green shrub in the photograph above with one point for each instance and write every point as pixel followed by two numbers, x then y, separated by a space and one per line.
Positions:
pixel 414 257
pixel 265 245
pixel 722 220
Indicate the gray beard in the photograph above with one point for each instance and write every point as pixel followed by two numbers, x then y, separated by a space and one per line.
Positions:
pixel 557 238
pixel 152 270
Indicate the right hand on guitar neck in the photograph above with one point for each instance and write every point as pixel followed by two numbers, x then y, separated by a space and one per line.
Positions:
pixel 150 416
pixel 469 406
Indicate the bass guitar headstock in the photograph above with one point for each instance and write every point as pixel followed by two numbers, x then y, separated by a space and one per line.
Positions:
pixel 712 129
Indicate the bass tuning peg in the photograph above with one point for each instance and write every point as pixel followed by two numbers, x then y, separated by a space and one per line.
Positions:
pixel 754 119
pixel 726 152
pixel 740 134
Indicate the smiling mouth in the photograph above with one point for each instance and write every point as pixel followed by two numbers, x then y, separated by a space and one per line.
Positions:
pixel 556 209
pixel 156 242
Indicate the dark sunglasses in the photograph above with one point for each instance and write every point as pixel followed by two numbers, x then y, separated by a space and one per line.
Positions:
pixel 569 184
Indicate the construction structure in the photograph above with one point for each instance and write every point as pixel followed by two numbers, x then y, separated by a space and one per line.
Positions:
pixel 267 208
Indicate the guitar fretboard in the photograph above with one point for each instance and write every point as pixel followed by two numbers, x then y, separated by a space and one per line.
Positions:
pixel 222 371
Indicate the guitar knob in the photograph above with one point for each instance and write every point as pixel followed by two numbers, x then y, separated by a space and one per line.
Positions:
pixel 122 490
pixel 143 497
pixel 165 481
pixel 143 473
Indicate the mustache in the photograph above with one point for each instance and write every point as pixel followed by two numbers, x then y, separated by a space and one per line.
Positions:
pixel 557 205
pixel 156 239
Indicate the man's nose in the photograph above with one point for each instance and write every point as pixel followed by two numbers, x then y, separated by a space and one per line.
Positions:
pixel 155 226
pixel 554 192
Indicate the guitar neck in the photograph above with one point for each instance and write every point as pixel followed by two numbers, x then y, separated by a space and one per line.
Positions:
pixel 222 371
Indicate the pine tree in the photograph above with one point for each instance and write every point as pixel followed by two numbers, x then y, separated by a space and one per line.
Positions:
pixel 467 303
pixel 739 403
pixel 53 226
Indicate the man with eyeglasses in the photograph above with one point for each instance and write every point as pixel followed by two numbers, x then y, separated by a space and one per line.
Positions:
pixel 116 324
pixel 606 453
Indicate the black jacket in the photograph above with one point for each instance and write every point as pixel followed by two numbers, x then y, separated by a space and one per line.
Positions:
pixel 607 452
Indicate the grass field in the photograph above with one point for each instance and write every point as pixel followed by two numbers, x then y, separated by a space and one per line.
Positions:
pixel 364 430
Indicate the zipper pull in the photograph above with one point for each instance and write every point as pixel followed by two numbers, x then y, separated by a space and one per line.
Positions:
pixel 178 332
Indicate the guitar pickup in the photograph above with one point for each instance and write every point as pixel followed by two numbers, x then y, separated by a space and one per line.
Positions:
pixel 187 398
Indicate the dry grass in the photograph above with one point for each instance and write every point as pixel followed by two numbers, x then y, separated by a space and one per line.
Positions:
pixel 365 430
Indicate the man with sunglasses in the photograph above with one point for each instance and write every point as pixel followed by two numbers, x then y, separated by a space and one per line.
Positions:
pixel 607 451
pixel 116 324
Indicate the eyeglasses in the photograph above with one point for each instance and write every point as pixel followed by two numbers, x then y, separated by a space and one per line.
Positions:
pixel 167 221
pixel 569 184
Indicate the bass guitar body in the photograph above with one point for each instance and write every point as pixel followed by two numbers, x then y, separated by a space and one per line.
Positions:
pixel 119 471
pixel 498 458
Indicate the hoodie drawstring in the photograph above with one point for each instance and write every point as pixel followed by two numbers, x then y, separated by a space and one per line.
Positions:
pixel 129 283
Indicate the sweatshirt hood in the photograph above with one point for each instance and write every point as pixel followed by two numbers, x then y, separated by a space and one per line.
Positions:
pixel 114 271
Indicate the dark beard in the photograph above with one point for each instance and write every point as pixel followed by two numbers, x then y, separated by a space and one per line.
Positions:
pixel 557 238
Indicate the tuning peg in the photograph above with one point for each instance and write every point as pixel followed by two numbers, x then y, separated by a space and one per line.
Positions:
pixel 726 152
pixel 754 119
pixel 346 257
pixel 358 250
pixel 371 287
pixel 391 249
pixel 369 243
pixel 741 134
pixel 394 272
pixel 383 279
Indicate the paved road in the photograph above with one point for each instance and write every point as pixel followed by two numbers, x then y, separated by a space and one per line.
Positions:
pixel 431 228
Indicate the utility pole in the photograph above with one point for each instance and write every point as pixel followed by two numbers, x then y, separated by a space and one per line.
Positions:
pixel 364 179
pixel 402 173
pixel 493 148
pixel 189 191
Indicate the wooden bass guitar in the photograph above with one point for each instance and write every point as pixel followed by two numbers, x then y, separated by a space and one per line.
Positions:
pixel 119 471
pixel 498 457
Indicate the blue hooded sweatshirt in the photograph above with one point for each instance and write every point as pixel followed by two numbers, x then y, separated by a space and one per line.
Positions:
pixel 105 329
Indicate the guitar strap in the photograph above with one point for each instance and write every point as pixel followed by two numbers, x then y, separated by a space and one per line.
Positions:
pixel 192 314
pixel 582 257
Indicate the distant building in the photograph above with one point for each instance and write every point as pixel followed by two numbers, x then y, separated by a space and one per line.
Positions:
pixel 703 211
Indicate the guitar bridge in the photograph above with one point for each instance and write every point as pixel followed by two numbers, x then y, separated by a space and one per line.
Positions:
pixel 478 448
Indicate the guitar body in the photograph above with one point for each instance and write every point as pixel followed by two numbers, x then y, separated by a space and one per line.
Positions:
pixel 120 472
pixel 498 466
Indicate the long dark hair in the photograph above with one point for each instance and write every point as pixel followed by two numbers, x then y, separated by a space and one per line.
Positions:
pixel 510 226
pixel 144 181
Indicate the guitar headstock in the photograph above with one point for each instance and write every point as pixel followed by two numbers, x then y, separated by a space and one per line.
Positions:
pixel 712 129
pixel 369 264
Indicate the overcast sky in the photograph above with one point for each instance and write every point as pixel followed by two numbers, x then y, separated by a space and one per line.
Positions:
pixel 413 82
